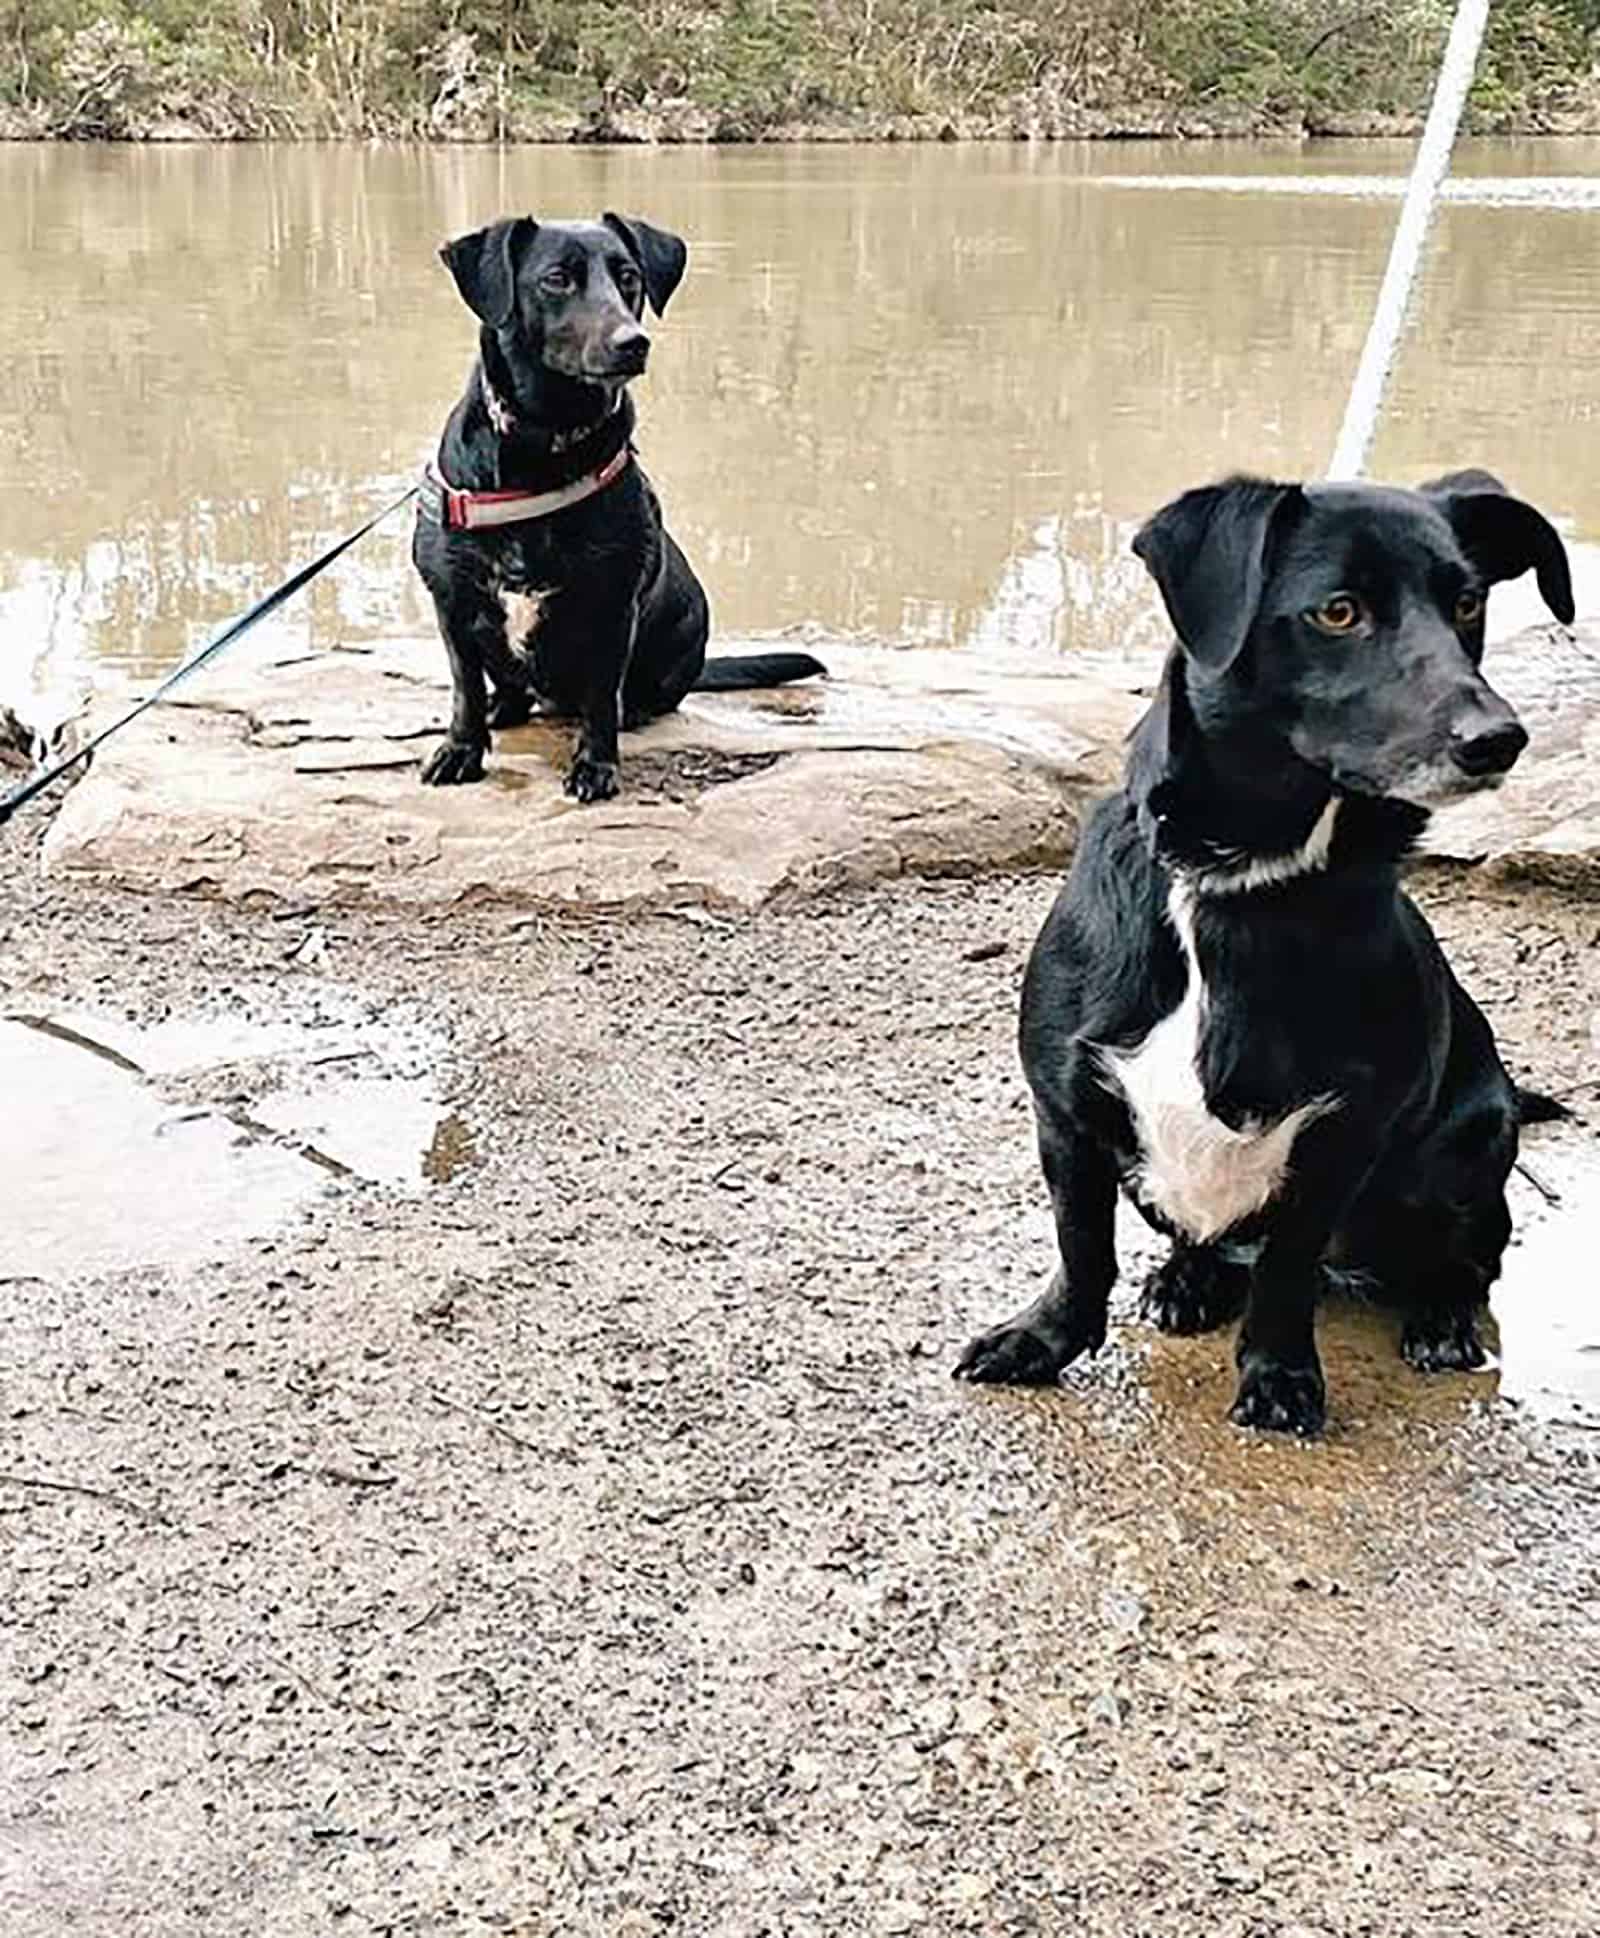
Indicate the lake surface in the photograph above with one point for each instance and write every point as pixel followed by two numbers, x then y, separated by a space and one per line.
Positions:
pixel 925 392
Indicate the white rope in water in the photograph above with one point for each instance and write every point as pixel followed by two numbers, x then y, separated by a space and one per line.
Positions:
pixel 1405 256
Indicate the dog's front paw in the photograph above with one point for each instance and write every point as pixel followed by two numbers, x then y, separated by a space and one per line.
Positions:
pixel 1279 1398
pixel 593 780
pixel 1010 1356
pixel 1442 1342
pixel 451 763
pixel 1017 1354
pixel 1195 1290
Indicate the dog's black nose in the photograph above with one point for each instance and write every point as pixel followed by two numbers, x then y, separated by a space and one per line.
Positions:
pixel 1491 752
pixel 630 349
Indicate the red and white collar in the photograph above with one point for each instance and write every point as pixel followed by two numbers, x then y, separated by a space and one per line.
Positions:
pixel 472 511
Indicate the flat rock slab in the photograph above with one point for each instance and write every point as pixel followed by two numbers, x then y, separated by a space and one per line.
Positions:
pixel 1543 825
pixel 297 782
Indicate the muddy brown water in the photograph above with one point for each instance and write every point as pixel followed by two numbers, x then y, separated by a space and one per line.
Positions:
pixel 927 392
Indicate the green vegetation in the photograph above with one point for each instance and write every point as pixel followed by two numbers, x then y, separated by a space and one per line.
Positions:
pixel 732 69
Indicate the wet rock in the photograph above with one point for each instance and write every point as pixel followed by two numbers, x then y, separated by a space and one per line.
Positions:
pixel 297 784
pixel 1543 825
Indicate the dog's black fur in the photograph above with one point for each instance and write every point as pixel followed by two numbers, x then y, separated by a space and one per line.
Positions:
pixel 621 620
pixel 1329 646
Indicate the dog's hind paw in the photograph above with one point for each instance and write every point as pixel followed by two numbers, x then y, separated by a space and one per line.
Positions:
pixel 1278 1398
pixel 452 763
pixel 593 780
pixel 1195 1290
pixel 1442 1342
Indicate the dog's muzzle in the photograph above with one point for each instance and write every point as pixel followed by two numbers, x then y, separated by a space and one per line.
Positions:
pixel 1489 752
pixel 627 354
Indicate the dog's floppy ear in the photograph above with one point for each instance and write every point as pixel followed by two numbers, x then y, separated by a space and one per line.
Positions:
pixel 1504 536
pixel 662 257
pixel 1157 746
pixel 1472 479
pixel 1207 551
pixel 484 265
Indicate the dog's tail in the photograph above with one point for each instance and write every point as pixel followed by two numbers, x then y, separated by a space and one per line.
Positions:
pixel 757 669
pixel 1534 1107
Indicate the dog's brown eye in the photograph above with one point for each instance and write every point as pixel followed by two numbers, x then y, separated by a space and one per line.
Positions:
pixel 1340 614
pixel 557 281
pixel 1469 608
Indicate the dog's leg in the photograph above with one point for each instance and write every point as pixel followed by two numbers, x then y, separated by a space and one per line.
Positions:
pixel 1436 1251
pixel 595 773
pixel 1280 1376
pixel 1440 1332
pixel 1069 1317
pixel 1434 1262
pixel 1195 1289
pixel 459 757
pixel 1432 1225
pixel 665 667
pixel 1460 1223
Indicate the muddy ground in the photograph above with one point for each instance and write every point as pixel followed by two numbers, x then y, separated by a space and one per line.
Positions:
pixel 595 1543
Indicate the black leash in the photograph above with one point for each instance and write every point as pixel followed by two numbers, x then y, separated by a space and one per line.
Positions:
pixel 37 783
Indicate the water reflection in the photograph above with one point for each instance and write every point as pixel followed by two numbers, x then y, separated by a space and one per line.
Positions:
pixel 928 393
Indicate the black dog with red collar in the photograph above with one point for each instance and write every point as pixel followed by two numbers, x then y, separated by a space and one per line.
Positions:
pixel 538 535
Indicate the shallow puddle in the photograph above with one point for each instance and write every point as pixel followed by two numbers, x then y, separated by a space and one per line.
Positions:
pixel 380 1128
pixel 176 1143
pixel 1547 1303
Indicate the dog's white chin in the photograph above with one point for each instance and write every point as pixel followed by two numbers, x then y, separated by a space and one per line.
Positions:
pixel 1442 783
pixel 1430 784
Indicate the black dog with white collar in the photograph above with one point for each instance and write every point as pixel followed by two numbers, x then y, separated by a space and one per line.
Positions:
pixel 1233 1011
pixel 539 537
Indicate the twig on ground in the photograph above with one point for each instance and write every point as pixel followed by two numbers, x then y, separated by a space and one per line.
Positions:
pixel 311 1689
pixel 656 1515
pixel 90 1493
pixel 1546 1191
pixel 487 1420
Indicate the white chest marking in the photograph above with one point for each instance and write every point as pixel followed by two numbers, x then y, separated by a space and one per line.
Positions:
pixel 523 611
pixel 1199 1172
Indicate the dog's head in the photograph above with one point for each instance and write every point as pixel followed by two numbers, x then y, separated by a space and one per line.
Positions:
pixel 569 297
pixel 1344 622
